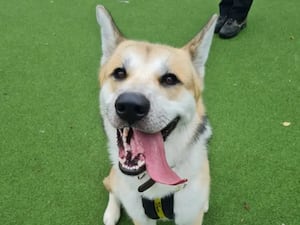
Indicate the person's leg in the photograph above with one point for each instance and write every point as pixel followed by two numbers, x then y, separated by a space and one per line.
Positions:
pixel 236 19
pixel 224 8
pixel 240 9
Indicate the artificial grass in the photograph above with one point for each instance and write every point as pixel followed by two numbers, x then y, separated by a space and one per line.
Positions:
pixel 53 149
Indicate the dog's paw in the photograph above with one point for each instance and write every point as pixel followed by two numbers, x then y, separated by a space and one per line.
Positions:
pixel 112 211
pixel 110 219
pixel 111 216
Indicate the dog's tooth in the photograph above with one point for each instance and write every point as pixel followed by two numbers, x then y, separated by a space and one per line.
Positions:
pixel 125 131
pixel 126 147
pixel 140 163
pixel 124 138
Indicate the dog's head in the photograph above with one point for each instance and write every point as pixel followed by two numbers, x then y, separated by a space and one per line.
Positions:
pixel 148 91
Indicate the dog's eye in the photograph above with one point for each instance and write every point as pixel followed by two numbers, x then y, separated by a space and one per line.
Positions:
pixel 169 79
pixel 119 73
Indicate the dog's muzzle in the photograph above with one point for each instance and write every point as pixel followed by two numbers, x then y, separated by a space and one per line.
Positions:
pixel 132 107
pixel 139 148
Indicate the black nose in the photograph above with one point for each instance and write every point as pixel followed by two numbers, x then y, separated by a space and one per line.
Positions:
pixel 132 107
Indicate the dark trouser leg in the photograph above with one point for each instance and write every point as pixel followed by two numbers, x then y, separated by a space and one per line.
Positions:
pixel 240 9
pixel 225 7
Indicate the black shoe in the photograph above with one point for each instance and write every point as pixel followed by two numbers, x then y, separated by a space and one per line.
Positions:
pixel 220 22
pixel 231 28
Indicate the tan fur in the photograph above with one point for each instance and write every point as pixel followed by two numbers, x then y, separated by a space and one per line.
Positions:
pixel 178 62
pixel 108 181
pixel 136 223
pixel 204 171
pixel 199 219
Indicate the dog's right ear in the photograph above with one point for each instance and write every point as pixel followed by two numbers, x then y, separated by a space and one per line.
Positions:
pixel 110 34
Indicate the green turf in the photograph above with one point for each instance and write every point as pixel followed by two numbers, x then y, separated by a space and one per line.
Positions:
pixel 52 146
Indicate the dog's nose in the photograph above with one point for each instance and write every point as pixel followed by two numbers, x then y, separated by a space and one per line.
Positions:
pixel 132 106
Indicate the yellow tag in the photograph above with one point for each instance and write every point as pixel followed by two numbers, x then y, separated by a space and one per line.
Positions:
pixel 158 208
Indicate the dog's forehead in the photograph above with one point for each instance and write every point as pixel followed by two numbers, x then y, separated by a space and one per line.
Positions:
pixel 146 63
pixel 155 59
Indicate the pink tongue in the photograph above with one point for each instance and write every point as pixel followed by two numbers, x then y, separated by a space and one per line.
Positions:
pixel 152 145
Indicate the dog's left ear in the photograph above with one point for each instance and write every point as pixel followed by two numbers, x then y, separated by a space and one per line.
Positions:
pixel 199 46
pixel 110 34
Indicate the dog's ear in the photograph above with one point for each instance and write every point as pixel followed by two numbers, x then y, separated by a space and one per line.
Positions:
pixel 199 46
pixel 110 34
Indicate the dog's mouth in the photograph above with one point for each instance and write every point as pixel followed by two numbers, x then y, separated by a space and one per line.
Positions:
pixel 131 157
pixel 140 151
pixel 130 162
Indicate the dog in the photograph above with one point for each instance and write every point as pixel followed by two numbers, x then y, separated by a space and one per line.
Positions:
pixel 155 120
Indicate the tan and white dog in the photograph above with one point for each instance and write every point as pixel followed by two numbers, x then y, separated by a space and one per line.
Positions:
pixel 155 121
